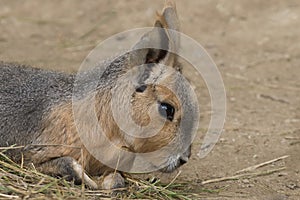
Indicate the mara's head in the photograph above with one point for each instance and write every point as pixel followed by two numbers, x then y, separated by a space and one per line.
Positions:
pixel 150 112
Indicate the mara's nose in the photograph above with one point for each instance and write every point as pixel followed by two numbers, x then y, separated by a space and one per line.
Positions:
pixel 183 160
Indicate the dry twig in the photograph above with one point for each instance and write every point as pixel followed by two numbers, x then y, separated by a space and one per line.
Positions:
pixel 252 168
pixel 239 176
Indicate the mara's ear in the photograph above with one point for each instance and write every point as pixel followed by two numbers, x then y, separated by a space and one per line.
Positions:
pixel 156 46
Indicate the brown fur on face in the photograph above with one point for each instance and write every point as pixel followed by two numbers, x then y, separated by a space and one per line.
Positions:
pixel 146 104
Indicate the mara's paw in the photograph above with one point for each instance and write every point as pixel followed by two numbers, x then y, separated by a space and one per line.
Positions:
pixel 113 181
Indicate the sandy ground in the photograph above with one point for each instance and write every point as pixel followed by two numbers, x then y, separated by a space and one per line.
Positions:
pixel 254 43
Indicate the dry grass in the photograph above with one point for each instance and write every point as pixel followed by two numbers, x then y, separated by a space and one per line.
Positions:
pixel 17 182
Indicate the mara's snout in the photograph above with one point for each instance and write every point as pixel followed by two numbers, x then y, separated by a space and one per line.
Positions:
pixel 175 162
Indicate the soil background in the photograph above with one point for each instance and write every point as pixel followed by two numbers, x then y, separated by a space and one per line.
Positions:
pixel 255 44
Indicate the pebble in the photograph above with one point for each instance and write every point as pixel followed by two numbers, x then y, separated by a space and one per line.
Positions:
pixel 245 181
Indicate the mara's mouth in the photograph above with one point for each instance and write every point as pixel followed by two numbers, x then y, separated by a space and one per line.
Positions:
pixel 174 163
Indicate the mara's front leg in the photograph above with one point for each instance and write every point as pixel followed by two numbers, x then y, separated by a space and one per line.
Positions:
pixel 68 168
pixel 71 170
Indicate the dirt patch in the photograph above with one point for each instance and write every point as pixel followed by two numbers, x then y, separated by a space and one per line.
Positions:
pixel 255 45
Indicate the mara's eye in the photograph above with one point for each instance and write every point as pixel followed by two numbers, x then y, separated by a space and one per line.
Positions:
pixel 166 110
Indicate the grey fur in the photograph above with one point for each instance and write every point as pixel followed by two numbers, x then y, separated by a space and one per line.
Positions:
pixel 26 95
